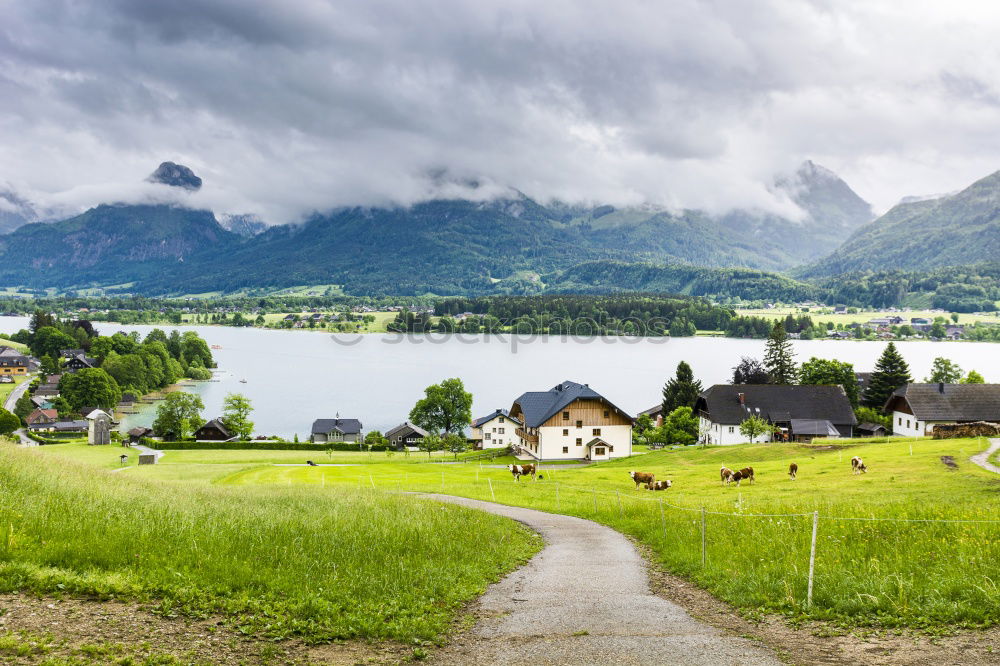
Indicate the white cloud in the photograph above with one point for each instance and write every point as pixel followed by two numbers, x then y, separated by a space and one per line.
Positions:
pixel 285 108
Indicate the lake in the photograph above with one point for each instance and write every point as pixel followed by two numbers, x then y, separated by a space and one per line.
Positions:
pixel 294 377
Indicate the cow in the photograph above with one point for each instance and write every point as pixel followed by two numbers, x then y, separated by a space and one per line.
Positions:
pixel 641 478
pixel 745 473
pixel 311 463
pixel 521 470
pixel 793 469
pixel 659 485
pixel 726 475
pixel 858 465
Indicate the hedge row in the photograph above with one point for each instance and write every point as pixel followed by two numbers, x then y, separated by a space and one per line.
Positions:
pixel 255 446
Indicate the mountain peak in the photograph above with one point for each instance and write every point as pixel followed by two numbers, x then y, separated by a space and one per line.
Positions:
pixel 825 197
pixel 175 175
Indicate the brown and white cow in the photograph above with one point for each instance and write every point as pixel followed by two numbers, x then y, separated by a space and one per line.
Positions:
pixel 726 475
pixel 793 469
pixel 858 465
pixel 745 473
pixel 659 485
pixel 521 470
pixel 641 478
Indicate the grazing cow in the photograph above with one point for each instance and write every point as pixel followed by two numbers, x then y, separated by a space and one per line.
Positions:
pixel 521 470
pixel 311 463
pixel 858 465
pixel 659 485
pixel 726 475
pixel 793 469
pixel 745 473
pixel 641 478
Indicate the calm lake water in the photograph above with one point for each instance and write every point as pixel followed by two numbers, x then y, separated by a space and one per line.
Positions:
pixel 294 377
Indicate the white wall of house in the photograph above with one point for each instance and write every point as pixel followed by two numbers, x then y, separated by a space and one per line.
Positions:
pixel 498 432
pixel 907 425
pixel 725 434
pixel 569 442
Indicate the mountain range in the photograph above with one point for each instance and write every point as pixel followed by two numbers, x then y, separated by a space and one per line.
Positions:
pixel 508 245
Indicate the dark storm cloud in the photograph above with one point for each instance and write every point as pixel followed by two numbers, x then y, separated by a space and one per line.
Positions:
pixel 285 107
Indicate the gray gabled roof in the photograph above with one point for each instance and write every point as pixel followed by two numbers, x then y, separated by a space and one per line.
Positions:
pixel 818 427
pixel 407 428
pixel 498 412
pixel 343 426
pixel 539 406
pixel 950 402
pixel 216 424
pixel 777 403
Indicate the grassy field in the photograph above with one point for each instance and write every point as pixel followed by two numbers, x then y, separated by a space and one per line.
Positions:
pixel 872 566
pixel 825 314
pixel 276 561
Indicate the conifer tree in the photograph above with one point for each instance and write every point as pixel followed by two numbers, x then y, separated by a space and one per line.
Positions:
pixel 779 360
pixel 680 391
pixel 891 372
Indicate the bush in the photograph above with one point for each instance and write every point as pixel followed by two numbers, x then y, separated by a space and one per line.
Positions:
pixel 255 446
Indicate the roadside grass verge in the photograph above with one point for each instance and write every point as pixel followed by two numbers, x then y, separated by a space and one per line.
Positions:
pixel 277 562
pixel 872 567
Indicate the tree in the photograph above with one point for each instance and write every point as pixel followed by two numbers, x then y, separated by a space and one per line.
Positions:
pixel 754 426
pixel 375 438
pixel 872 415
pixel 779 359
pixel 891 372
pixel 24 406
pixel 8 422
pixel 642 425
pixel 236 410
pixel 682 390
pixel 455 443
pixel 50 341
pixel 51 365
pixel 821 371
pixel 973 378
pixel 750 371
pixel 90 387
pixel 944 371
pixel 178 415
pixel 681 426
pixel 430 443
pixel 445 407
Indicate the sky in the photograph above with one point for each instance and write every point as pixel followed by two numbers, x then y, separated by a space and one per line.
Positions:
pixel 285 108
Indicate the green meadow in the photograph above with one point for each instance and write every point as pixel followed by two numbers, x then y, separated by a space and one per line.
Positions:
pixel 277 561
pixel 912 543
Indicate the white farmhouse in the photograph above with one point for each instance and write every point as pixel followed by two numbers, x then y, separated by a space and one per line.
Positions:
pixel 917 408
pixel 572 421
pixel 495 431
pixel 800 413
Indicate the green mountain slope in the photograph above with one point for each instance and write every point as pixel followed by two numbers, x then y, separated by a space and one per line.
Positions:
pixel 955 230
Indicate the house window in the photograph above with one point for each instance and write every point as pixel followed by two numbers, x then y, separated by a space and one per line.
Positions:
pixel 579 424
pixel 900 420
pixel 611 449
pixel 597 432
pixel 579 441
pixel 488 435
pixel 500 430
pixel 607 414
pixel 565 449
pixel 907 423
pixel 565 416
pixel 501 419
pixel 565 432
pixel 599 451
pixel 732 429
pixel 494 429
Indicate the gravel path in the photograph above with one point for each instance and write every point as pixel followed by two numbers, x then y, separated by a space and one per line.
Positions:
pixel 585 599
pixel 983 459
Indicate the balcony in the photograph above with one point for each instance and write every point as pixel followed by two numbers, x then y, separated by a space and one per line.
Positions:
pixel 523 434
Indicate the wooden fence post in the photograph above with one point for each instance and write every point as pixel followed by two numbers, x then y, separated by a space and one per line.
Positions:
pixel 492 494
pixel 663 521
pixel 557 497
pixel 703 540
pixel 812 560
pixel 621 511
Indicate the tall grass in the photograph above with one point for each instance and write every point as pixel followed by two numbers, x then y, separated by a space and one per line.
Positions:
pixel 279 561
pixel 882 572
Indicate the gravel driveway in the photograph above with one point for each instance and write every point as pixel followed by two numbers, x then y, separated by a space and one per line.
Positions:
pixel 585 599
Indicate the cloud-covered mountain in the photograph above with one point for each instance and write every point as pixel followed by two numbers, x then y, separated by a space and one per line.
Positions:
pixel 952 230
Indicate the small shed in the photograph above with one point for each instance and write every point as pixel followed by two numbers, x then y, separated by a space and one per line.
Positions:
pixel 872 430
pixel 147 458
pixel 213 431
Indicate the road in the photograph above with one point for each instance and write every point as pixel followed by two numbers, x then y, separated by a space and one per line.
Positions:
pixel 9 404
pixel 585 599
pixel 983 459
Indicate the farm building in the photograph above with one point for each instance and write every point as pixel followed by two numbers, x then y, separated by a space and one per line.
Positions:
pixel 405 434
pixel 917 408
pixel 213 431
pixel 335 430
pixel 495 431
pixel 801 413
pixel 562 422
